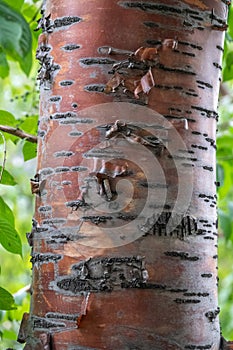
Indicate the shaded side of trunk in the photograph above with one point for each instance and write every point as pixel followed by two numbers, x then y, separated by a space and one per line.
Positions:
pixel 133 263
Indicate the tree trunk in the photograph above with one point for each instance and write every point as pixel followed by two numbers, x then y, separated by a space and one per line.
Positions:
pixel 124 246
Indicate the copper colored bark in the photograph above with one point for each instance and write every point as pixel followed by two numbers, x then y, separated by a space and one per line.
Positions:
pixel 131 264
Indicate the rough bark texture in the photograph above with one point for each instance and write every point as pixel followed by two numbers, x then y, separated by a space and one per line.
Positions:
pixel 128 278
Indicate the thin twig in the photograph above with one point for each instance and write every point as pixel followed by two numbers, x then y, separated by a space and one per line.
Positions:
pixel 18 132
pixel 4 156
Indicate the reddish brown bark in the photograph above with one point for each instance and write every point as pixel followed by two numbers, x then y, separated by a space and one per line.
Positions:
pixel 105 278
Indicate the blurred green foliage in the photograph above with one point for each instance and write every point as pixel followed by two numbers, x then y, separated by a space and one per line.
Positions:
pixel 19 108
pixel 225 191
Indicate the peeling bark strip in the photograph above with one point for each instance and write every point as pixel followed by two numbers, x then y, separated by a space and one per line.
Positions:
pixel 135 73
pixel 113 77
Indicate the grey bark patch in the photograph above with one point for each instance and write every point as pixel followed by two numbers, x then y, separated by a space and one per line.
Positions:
pixel 167 224
pixel 90 61
pixel 66 21
pixel 106 274
pixel 149 7
pixel 55 98
pixel 43 323
pixel 95 88
pixel 66 82
pixel 181 255
pixel 45 258
pixel 70 47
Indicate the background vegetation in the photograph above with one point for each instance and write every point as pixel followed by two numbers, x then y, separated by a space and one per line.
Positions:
pixel 19 109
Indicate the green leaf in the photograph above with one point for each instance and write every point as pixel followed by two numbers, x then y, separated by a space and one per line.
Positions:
pixel 7 118
pixel 4 67
pixel 29 11
pixel 229 59
pixel 228 63
pixel 225 141
pixel 6 212
pixel 26 64
pixel 16 4
pixel 220 174
pixel 227 73
pixel 30 124
pixel 225 223
pixel 9 237
pixel 6 300
pixel 29 150
pixel 15 34
pixel 7 178
pixel 225 180
pixel 230 21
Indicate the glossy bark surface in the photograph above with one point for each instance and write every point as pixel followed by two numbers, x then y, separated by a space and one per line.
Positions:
pixel 142 274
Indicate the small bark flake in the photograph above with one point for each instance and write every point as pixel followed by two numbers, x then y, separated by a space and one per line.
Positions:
pixel 146 53
pixel 146 84
pixel 116 128
pixel 151 53
pixel 83 308
pixel 106 177
pixel 169 44
pixel 113 83
pixel 131 84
